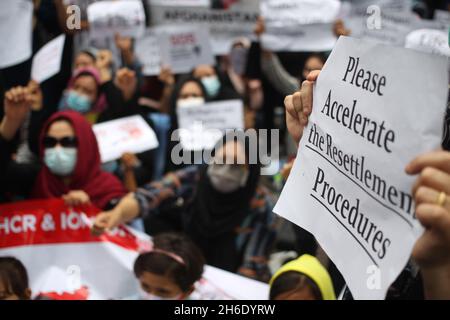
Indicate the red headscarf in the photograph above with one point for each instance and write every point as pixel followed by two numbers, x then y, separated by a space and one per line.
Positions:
pixel 101 186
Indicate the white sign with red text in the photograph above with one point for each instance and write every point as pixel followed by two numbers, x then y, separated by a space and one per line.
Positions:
pixel 184 47
pixel 130 134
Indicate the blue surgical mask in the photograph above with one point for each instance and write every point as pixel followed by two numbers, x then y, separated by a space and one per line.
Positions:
pixel 60 161
pixel 212 85
pixel 72 100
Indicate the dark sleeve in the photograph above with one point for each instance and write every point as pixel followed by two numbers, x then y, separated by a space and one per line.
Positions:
pixel 6 150
pixel 117 106
pixel 37 121
pixel 16 179
pixel 253 69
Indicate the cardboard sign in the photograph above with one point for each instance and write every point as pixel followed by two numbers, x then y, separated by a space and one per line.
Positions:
pixel 106 18
pixel 149 54
pixel 383 21
pixel 430 41
pixel 361 210
pixel 200 127
pixel 130 134
pixel 299 25
pixel 16 18
pixel 47 62
pixel 65 261
pixel 224 26
pixel 185 47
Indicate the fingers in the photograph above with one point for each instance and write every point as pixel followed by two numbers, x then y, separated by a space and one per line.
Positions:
pixel 313 75
pixel 18 95
pixel 125 74
pixel 425 195
pixel 433 217
pixel 437 159
pixel 100 224
pixel 306 100
pixel 293 105
pixel 76 198
pixel 433 178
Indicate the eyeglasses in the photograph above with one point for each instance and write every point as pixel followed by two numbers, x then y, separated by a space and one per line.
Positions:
pixel 66 142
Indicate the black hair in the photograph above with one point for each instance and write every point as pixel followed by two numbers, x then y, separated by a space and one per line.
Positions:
pixel 184 275
pixel 88 74
pixel 176 93
pixel 89 53
pixel 317 55
pixel 14 277
pixel 292 281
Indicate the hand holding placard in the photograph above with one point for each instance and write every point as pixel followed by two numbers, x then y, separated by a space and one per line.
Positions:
pixel 340 180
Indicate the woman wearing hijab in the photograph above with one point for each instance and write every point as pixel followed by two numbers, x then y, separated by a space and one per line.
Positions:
pixel 71 160
pixel 84 95
pixel 69 155
pixel 220 206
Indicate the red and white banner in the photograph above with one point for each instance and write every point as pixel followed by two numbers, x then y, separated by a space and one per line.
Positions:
pixel 65 261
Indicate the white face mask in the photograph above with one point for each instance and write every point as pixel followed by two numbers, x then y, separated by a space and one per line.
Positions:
pixel 190 102
pixel 144 295
pixel 227 178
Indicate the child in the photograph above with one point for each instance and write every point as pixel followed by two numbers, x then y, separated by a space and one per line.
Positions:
pixel 302 279
pixel 170 269
pixel 13 280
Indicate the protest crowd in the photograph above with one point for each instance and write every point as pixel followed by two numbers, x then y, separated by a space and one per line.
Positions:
pixel 117 113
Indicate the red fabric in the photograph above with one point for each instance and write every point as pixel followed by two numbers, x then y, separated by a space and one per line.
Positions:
pixel 101 186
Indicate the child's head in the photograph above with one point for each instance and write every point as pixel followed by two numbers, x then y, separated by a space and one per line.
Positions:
pixel 170 269
pixel 302 279
pixel 13 280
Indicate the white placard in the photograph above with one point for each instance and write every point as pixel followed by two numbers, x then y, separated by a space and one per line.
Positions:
pixel 429 40
pixel 299 25
pixel 348 185
pixel 384 21
pixel 224 26
pixel 47 61
pixel 202 126
pixel 148 52
pixel 442 17
pixel 184 47
pixel 125 17
pixel 130 134
pixel 15 32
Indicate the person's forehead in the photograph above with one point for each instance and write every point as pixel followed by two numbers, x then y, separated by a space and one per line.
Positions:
pixel 84 56
pixel 155 280
pixel 190 86
pixel 60 127
pixel 202 69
